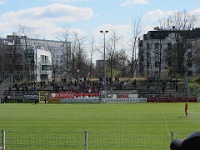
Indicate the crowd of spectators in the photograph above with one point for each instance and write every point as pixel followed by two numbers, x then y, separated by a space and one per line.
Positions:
pixel 88 86
pixel 172 84
pixel 85 85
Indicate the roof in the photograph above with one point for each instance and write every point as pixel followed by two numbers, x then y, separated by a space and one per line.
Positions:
pixel 162 34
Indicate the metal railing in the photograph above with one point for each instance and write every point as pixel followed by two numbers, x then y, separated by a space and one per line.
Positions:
pixel 84 140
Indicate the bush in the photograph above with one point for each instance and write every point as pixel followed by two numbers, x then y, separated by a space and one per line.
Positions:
pixel 197 79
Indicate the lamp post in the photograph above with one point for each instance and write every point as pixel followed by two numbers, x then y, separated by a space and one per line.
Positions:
pixel 105 84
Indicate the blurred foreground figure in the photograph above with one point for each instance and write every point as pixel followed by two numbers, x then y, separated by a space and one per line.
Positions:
pixel 192 142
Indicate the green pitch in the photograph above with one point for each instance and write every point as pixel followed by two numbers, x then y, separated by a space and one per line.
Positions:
pixel 161 118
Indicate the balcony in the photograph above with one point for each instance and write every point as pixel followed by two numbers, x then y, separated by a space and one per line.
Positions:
pixel 46 62
pixel 46 72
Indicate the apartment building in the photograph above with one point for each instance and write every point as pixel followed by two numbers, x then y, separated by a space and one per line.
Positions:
pixel 35 59
pixel 161 52
pixel 60 54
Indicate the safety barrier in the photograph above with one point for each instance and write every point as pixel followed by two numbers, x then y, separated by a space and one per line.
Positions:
pixel 72 95
pixel 86 140
pixel 98 100
pixel 171 99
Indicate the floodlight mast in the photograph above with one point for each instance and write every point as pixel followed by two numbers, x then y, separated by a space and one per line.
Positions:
pixel 105 84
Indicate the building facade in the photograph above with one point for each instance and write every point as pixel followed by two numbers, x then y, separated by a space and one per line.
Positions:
pixel 35 59
pixel 43 70
pixel 169 53
pixel 60 54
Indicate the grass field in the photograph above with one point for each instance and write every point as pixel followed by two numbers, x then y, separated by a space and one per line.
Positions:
pixel 101 118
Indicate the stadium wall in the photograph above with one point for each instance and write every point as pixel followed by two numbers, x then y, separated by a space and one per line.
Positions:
pixel 121 100
pixel 98 100
pixel 171 100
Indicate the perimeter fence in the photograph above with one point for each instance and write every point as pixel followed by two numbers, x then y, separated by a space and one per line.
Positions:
pixel 85 140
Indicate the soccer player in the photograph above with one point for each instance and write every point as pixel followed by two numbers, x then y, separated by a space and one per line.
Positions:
pixel 186 108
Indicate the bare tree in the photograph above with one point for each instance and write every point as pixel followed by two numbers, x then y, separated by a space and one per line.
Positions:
pixel 136 33
pixel 27 33
pixel 183 35
pixel 80 63
pixel 112 47
pixel 183 51
pixel 12 56
pixel 2 62
pixel 67 55
pixel 92 50
pixel 122 63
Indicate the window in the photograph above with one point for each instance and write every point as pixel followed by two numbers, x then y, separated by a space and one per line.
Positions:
pixel 156 56
pixel 189 73
pixel 189 63
pixel 46 67
pixel 189 55
pixel 156 45
pixel 148 54
pixel 55 56
pixel 169 62
pixel 44 59
pixel 148 46
pixel 142 58
pixel 157 64
pixel 189 45
pixel 148 64
pixel 169 46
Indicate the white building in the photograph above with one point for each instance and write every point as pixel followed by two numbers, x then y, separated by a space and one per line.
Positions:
pixel 43 62
pixel 37 59
pixel 60 55
pixel 157 53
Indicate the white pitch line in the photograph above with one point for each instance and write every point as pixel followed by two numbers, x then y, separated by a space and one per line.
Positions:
pixel 167 127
